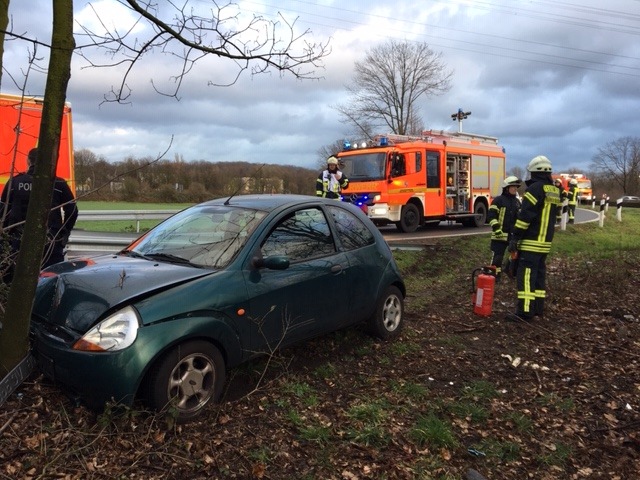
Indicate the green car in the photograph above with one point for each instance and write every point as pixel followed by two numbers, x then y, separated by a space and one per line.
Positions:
pixel 206 290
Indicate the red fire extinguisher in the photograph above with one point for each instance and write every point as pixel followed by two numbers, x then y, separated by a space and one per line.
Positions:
pixel 482 296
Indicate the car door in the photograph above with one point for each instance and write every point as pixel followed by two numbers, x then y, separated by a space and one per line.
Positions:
pixel 307 298
pixel 366 263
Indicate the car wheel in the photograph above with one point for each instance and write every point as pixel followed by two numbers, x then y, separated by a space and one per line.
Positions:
pixel 188 378
pixel 386 322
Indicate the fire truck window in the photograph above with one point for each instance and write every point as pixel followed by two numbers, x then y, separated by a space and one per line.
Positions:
pixel 397 165
pixel 433 169
pixel 418 161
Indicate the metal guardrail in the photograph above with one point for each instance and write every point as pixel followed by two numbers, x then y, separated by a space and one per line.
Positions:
pixel 81 241
pixel 136 215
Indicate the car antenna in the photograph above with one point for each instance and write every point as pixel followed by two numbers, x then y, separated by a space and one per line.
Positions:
pixel 226 202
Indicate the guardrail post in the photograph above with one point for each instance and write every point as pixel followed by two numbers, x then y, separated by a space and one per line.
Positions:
pixel 564 214
pixel 602 205
pixel 619 209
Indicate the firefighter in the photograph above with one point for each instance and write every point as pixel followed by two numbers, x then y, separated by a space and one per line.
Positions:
pixel 572 195
pixel 502 216
pixel 15 196
pixel 331 181
pixel 531 238
pixel 563 196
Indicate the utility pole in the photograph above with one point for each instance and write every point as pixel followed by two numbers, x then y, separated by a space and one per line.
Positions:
pixel 460 115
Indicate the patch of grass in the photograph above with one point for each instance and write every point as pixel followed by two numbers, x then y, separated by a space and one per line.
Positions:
pixel 558 455
pixel 521 422
pixel 479 391
pixel 433 431
pixel 505 451
pixel 367 424
pixel 554 400
pixel 404 348
pixel 454 342
pixel 469 410
pixel 297 389
pixel 410 390
pixel 319 434
pixel 263 454
pixel 327 371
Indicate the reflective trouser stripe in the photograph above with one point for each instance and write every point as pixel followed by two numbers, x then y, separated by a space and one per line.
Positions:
pixel 526 295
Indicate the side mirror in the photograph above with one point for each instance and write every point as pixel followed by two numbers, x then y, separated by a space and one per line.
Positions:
pixel 276 262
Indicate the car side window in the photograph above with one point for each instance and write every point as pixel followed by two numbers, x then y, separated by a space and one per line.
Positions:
pixel 353 233
pixel 301 235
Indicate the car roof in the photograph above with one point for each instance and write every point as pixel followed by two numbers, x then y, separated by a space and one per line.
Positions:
pixel 269 202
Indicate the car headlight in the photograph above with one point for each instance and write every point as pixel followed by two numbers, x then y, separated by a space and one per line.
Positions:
pixel 114 333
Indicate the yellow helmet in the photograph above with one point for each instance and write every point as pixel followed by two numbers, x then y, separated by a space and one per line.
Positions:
pixel 573 181
pixel 332 160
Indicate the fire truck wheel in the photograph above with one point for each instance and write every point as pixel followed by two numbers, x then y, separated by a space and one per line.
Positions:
pixel 409 219
pixel 480 211
pixel 386 322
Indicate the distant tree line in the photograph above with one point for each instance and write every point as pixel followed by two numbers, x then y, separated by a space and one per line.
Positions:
pixel 180 181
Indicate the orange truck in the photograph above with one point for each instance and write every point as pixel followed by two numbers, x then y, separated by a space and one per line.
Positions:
pixel 20 119
pixel 412 180
pixel 585 190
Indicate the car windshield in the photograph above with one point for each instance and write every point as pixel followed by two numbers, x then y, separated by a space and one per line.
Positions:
pixel 203 236
pixel 365 166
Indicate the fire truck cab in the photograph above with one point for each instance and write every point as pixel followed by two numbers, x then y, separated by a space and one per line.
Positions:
pixel 409 181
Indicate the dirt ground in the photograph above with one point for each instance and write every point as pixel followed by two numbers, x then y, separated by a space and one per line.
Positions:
pixel 456 397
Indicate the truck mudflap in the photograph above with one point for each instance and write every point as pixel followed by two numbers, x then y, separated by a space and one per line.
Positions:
pixel 16 376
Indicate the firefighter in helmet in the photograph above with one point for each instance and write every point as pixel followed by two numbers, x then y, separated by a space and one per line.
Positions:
pixel 502 217
pixel 531 238
pixel 331 181
pixel 572 195
pixel 563 196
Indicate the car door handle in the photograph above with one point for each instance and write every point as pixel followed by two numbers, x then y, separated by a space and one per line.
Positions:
pixel 336 269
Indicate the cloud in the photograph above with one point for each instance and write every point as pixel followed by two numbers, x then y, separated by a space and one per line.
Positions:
pixel 547 78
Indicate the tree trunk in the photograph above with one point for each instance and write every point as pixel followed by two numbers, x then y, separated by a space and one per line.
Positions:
pixel 14 336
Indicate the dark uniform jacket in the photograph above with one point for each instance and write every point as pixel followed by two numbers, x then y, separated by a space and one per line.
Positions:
pixel 502 215
pixel 16 195
pixel 536 221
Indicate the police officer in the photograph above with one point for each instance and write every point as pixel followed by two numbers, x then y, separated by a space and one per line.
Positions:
pixel 331 181
pixel 15 196
pixel 531 238
pixel 572 195
pixel 502 216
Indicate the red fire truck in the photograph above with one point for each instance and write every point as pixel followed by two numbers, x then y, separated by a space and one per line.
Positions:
pixel 19 129
pixel 408 181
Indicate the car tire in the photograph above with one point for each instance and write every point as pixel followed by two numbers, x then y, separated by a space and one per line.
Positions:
pixel 188 378
pixel 386 323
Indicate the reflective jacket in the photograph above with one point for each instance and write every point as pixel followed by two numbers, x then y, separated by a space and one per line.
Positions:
pixel 572 195
pixel 327 185
pixel 502 215
pixel 536 220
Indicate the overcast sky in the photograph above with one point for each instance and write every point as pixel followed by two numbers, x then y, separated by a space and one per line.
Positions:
pixel 544 76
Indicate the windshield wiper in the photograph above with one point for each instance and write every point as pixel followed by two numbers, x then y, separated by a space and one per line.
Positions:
pixel 171 258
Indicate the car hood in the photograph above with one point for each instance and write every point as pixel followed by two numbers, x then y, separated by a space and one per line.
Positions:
pixel 75 294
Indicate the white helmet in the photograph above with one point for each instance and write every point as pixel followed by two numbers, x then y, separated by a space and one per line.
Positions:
pixel 573 181
pixel 511 181
pixel 332 160
pixel 539 164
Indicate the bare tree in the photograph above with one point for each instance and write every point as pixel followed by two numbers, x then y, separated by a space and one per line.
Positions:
pixel 619 161
pixel 178 32
pixel 195 37
pixel 388 83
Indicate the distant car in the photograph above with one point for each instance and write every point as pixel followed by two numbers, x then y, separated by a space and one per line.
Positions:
pixel 206 290
pixel 629 199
